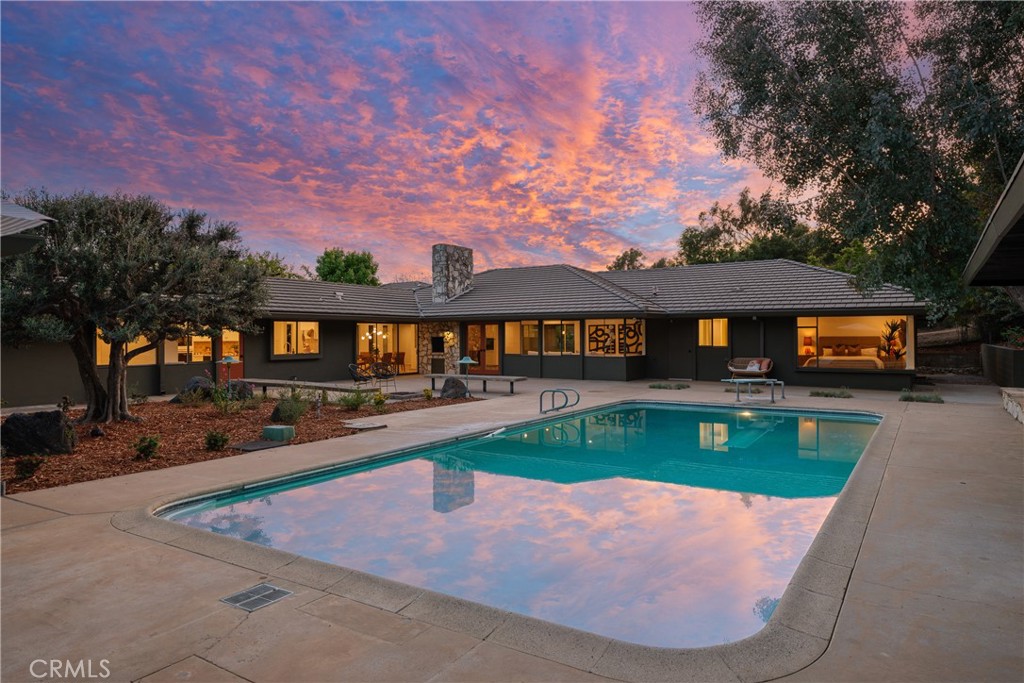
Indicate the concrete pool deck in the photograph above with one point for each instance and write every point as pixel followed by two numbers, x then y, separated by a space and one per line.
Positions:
pixel 930 565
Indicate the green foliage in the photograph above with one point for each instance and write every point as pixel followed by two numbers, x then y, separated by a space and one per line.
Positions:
pixel 631 259
pixel 380 402
pixel 271 265
pixel 830 99
pixel 136 397
pixel 192 398
pixel 752 390
pixel 224 401
pixel 289 410
pixel 891 341
pixel 66 404
pixel 663 385
pixel 832 393
pixel 353 267
pixel 125 266
pixel 428 394
pixel 920 397
pixel 1014 337
pixel 216 441
pixel 146 447
pixel 26 466
pixel 354 400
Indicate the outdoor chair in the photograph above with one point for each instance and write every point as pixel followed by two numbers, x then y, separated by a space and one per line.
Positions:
pixel 360 376
pixel 384 374
pixel 750 367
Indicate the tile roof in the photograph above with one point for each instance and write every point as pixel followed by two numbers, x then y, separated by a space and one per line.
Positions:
pixel 558 290
pixel 328 300
pixel 777 287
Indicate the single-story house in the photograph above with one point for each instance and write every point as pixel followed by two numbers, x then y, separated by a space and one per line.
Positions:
pixel 554 321
pixel 16 228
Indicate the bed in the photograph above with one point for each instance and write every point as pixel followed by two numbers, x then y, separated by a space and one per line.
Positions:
pixel 847 353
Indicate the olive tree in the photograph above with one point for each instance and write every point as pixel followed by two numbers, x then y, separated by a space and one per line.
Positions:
pixel 124 267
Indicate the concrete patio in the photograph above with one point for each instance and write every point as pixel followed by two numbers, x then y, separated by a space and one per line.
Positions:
pixel 917 576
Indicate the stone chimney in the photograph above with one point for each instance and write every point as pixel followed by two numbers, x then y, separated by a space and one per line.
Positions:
pixel 453 271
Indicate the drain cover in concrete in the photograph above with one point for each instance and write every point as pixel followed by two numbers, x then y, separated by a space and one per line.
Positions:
pixel 253 598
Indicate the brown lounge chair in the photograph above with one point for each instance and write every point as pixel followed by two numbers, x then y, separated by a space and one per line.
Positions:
pixel 750 367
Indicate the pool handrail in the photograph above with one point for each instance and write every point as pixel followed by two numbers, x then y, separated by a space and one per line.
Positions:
pixel 563 392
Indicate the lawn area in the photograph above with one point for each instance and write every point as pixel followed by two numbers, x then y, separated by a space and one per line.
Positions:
pixel 182 430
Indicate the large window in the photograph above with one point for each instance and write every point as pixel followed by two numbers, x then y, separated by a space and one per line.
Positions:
pixel 292 338
pixel 103 352
pixel 615 337
pixel 560 337
pixel 199 349
pixel 868 342
pixel 713 332
pixel 388 343
pixel 522 337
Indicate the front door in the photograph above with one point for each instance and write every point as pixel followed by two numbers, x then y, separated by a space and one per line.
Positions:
pixel 482 346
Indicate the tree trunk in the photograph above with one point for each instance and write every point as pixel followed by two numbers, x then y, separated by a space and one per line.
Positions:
pixel 82 344
pixel 117 385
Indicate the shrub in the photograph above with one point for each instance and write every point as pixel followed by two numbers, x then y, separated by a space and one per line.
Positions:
pixel 216 441
pixel 428 394
pixel 25 467
pixel 753 390
pixel 253 402
pixel 920 397
pixel 354 400
pixel 380 402
pixel 146 447
pixel 1014 337
pixel 832 393
pixel 289 410
pixel 192 398
pixel 136 398
pixel 663 385
pixel 66 404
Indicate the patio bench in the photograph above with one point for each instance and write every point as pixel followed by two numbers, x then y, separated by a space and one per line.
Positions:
pixel 299 384
pixel 483 378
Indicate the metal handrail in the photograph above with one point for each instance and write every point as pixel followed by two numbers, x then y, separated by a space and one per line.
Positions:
pixel 565 399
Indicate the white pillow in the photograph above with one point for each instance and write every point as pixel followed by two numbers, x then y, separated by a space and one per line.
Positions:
pixel 827 351
pixel 754 365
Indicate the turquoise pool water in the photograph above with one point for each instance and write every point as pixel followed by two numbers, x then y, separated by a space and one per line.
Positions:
pixel 658 524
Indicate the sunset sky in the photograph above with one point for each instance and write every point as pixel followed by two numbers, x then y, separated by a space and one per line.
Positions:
pixel 533 133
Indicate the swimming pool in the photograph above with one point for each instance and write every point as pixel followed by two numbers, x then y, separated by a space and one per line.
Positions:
pixel 658 524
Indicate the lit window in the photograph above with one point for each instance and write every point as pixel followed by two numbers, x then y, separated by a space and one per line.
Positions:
pixel 296 338
pixel 522 337
pixel 713 332
pixel 560 337
pixel 103 352
pixel 867 342
pixel 615 337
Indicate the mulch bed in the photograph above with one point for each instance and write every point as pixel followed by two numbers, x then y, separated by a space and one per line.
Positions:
pixel 182 432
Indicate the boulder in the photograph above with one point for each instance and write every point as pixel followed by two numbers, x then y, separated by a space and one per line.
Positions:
pixel 454 388
pixel 197 384
pixel 38 434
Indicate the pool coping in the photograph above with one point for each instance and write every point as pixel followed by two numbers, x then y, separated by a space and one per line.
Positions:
pixel 795 636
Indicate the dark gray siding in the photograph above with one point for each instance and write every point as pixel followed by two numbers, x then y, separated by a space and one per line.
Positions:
pixel 526 366
pixel 746 337
pixel 337 350
pixel 39 374
pixel 562 367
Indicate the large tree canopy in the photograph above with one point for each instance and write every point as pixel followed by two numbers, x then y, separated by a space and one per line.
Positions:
pixel 272 265
pixel 353 267
pixel 126 267
pixel 834 101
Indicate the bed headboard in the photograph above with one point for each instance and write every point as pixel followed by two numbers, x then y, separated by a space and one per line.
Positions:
pixel 863 342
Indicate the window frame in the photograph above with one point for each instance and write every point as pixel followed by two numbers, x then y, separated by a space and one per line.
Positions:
pixel 616 340
pixel 299 330
pixel 563 325
pixel 722 323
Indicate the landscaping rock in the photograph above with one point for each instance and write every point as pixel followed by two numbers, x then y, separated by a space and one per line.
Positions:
pixel 38 434
pixel 454 388
pixel 201 385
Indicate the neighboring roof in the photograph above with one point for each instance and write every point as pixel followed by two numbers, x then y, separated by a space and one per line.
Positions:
pixel 327 300
pixel 778 287
pixel 15 219
pixel 535 291
pixel 998 258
